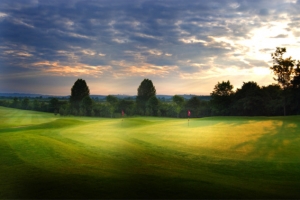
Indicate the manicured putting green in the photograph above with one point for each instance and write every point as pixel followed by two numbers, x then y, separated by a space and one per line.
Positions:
pixel 47 156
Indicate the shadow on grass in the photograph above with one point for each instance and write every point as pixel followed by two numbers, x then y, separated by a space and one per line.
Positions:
pixel 58 123
pixel 38 184
pixel 278 143
pixel 274 156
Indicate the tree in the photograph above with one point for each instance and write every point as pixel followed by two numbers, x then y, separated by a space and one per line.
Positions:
pixel 25 103
pixel 179 100
pixel 152 105
pixel 283 68
pixel 296 79
pixel 249 100
pixel 113 103
pixel 5 103
pixel 54 105
pixel 78 92
pixel 205 108
pixel 16 103
pixel 163 109
pixel 171 109
pixel 61 111
pixel 128 106
pixel 296 89
pixel 112 100
pixel 86 105
pixel 272 99
pixel 193 104
pixel 146 90
pixel 36 105
pixel 106 110
pixel 221 98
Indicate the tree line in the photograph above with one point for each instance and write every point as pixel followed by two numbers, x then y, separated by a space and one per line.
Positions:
pixel 282 98
pixel 81 104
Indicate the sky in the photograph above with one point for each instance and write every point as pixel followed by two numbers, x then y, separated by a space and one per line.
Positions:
pixel 184 47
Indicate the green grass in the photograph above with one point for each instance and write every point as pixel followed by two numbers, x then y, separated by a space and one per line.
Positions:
pixel 44 156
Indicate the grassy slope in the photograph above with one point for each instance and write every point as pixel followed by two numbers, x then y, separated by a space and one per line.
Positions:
pixel 43 156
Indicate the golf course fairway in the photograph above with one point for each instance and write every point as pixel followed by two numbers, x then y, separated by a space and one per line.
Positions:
pixel 48 156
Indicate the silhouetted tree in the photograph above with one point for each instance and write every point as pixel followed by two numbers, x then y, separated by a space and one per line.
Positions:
pixel 296 79
pixel 78 92
pixel 283 68
pixel 249 100
pixel 272 99
pixel 296 89
pixel 146 90
pixel 221 98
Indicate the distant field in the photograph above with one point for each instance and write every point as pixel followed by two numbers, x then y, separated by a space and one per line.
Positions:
pixel 44 156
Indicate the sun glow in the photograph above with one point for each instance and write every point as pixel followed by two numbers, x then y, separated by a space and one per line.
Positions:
pixel 264 40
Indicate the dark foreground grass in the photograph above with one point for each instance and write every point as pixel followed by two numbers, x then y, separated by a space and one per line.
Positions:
pixel 42 156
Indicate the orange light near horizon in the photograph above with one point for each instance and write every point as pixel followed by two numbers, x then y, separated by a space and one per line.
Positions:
pixel 76 69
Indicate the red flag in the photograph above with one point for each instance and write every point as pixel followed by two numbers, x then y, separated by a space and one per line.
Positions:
pixel 189 113
pixel 122 113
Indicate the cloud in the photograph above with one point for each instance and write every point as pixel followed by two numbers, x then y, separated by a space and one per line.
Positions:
pixel 88 52
pixel 74 69
pixel 131 69
pixel 281 36
pixel 191 39
pixel 3 15
pixel 155 52
pixel 171 39
pixel 17 54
